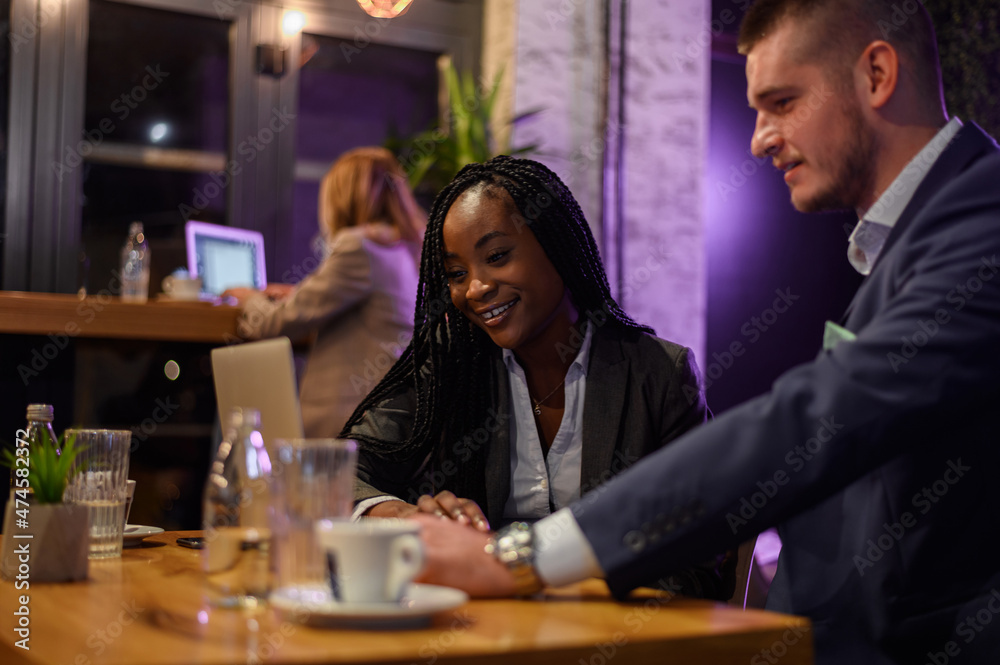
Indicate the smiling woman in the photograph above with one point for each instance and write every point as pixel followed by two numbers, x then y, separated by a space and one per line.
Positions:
pixel 525 385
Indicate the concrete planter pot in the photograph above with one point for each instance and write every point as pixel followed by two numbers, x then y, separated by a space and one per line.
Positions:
pixel 57 548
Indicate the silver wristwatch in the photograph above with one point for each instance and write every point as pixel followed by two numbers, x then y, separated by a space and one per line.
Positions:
pixel 513 546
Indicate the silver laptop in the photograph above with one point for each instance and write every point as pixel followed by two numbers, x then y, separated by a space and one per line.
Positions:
pixel 225 257
pixel 260 375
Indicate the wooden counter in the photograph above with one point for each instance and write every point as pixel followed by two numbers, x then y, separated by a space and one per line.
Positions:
pixel 108 317
pixel 148 608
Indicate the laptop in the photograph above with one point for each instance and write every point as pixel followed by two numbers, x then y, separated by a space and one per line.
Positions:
pixel 224 257
pixel 260 375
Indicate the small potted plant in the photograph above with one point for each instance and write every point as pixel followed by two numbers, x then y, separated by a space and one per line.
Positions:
pixel 44 539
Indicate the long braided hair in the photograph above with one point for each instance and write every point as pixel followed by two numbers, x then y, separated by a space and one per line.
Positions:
pixel 450 362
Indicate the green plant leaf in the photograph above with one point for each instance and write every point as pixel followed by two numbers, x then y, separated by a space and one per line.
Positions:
pixel 433 157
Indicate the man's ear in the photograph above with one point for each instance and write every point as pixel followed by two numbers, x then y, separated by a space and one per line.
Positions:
pixel 879 68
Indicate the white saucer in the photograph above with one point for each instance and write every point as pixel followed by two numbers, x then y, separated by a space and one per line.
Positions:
pixel 134 533
pixel 314 606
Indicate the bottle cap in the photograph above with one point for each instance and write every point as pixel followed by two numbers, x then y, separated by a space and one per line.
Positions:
pixel 42 412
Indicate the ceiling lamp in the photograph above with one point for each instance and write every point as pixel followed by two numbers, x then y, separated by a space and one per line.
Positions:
pixel 385 8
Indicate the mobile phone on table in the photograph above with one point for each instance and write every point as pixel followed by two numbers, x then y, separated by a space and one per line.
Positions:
pixel 195 543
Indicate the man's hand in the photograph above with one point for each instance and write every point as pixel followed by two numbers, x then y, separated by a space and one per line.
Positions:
pixel 455 556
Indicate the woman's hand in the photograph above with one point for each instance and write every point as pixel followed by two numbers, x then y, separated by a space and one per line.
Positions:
pixel 240 294
pixel 447 505
pixel 277 291
pixel 392 509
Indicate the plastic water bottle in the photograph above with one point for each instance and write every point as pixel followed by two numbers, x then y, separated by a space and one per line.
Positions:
pixel 38 432
pixel 135 265
pixel 236 519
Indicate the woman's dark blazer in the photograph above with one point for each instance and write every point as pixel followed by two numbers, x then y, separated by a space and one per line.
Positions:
pixel 642 392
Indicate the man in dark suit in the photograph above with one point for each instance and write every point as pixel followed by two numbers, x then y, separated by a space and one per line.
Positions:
pixel 879 460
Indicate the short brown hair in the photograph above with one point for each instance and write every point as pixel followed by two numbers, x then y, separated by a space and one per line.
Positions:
pixel 368 185
pixel 840 30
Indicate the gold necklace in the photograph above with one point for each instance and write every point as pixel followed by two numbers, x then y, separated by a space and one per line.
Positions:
pixel 538 403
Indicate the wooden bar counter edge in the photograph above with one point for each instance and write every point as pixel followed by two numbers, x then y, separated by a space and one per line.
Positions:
pixel 107 316
pixel 149 608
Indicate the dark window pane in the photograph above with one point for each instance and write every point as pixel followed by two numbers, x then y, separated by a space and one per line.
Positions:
pixel 353 99
pixel 117 195
pixel 4 105
pixel 157 78
pixel 154 78
pixel 349 99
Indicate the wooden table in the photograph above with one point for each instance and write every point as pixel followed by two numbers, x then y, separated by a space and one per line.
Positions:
pixel 147 609
pixel 106 316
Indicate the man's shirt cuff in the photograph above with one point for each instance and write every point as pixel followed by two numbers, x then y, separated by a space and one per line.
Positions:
pixel 562 553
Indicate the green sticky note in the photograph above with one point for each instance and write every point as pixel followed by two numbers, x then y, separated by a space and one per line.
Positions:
pixel 833 334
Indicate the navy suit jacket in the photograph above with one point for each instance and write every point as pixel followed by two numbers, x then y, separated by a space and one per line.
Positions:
pixel 879 461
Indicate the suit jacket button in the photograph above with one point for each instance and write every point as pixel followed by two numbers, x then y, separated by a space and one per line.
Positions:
pixel 635 541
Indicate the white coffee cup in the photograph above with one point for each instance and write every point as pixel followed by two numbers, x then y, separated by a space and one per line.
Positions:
pixel 128 501
pixel 371 561
pixel 182 288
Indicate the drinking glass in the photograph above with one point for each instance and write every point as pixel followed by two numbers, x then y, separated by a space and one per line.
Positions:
pixel 313 480
pixel 99 480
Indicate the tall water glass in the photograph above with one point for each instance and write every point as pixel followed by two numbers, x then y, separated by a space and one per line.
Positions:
pixel 312 480
pixel 99 480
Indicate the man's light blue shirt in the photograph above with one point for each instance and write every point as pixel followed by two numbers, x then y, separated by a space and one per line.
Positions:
pixel 868 238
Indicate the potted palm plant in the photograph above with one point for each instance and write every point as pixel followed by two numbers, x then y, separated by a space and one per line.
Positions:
pixel 432 157
pixel 44 539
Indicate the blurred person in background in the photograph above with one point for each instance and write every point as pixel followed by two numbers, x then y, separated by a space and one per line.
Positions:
pixel 357 306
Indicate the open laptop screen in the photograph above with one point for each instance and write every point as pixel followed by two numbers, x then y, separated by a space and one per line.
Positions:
pixel 260 375
pixel 225 256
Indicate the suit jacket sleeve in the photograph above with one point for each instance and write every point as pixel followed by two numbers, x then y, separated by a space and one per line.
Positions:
pixel 686 409
pixel 341 281
pixel 856 407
